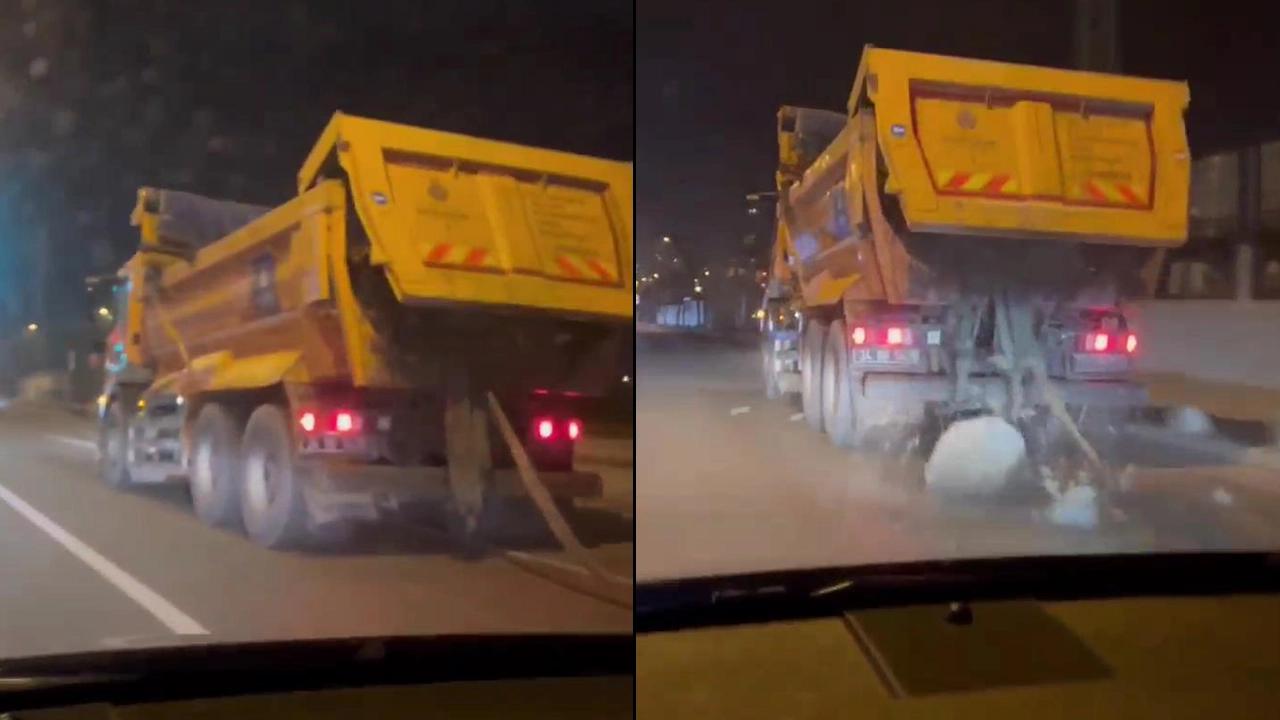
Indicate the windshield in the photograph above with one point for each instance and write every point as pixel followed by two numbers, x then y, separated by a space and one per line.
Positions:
pixel 914 290
pixel 260 261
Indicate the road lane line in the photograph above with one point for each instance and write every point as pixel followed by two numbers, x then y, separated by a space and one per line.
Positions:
pixel 739 410
pixel 151 601
pixel 75 442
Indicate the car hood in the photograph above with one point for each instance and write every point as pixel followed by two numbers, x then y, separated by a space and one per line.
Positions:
pixel 1165 657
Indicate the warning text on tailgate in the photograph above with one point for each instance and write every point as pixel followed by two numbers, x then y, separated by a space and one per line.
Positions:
pixel 575 238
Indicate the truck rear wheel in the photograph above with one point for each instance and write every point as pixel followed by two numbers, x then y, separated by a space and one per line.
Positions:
pixel 769 367
pixel 815 337
pixel 215 467
pixel 838 416
pixel 271 501
pixel 113 447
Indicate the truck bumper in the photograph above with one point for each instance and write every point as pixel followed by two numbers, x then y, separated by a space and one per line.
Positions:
pixel 932 388
pixel 350 491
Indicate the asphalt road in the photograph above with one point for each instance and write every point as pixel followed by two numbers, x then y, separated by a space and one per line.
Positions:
pixel 87 567
pixel 727 481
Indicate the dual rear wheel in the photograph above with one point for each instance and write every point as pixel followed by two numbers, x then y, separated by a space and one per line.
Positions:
pixel 249 479
pixel 829 393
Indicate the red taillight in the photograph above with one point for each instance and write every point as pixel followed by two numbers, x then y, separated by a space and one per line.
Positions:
pixel 344 421
pixel 895 336
pixel 1131 343
pixel 1097 342
pixel 858 335
pixel 545 428
pixel 575 429
pixel 308 421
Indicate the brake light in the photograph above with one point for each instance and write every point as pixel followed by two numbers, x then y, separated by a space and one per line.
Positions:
pixel 1131 343
pixel 308 421
pixel 1097 342
pixel 574 428
pixel 858 335
pixel 895 336
pixel 344 421
pixel 545 428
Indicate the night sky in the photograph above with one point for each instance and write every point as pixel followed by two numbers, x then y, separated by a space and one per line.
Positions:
pixel 226 97
pixel 708 86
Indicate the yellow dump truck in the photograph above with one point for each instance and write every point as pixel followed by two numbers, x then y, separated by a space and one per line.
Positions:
pixel 332 359
pixel 961 240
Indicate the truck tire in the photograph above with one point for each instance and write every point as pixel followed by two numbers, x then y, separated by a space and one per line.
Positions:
pixel 215 467
pixel 769 367
pixel 113 447
pixel 815 336
pixel 272 505
pixel 839 418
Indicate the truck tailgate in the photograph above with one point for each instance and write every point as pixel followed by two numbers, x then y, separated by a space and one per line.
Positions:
pixel 457 219
pixel 981 147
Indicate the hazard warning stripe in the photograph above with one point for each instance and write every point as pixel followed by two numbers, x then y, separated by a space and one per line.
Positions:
pixel 979 183
pixel 460 256
pixel 567 267
pixel 584 268
pixel 1112 193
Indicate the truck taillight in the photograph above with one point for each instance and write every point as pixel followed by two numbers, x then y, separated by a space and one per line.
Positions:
pixel 554 430
pixel 545 428
pixel 896 336
pixel 344 421
pixel 858 335
pixel 1102 342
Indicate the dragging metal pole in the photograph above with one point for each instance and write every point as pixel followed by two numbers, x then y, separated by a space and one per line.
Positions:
pixel 546 506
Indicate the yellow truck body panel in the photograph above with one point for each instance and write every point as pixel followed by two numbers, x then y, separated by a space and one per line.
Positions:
pixel 273 299
pixel 458 219
pixel 992 148
pixel 251 309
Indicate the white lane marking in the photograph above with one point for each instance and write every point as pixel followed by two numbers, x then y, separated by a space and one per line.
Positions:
pixel 75 442
pixel 151 601
pixel 739 410
pixel 797 417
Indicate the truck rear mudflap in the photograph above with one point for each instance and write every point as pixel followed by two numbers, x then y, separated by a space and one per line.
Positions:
pixel 979 147
pixel 458 219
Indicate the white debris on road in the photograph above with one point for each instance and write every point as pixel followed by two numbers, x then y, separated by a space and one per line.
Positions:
pixel 1222 497
pixel 1077 507
pixel 975 456
pixel 1191 421
pixel 741 410
pixel 797 417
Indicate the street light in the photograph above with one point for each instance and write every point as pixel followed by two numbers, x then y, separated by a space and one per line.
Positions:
pixel 32 327
pixel 104 312
pixel 666 239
